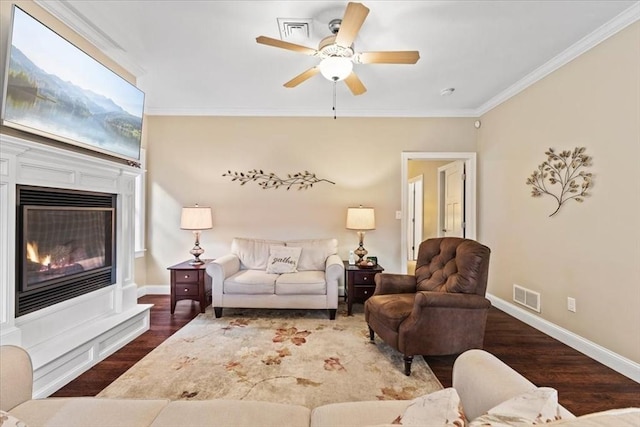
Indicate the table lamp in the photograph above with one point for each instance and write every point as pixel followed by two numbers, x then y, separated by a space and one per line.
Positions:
pixel 361 219
pixel 196 218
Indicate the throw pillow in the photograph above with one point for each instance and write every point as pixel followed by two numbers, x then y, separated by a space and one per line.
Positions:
pixel 539 406
pixel 283 259
pixel 441 408
pixel 8 420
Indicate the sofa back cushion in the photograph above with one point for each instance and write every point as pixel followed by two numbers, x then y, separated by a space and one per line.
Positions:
pixel 253 253
pixel 314 252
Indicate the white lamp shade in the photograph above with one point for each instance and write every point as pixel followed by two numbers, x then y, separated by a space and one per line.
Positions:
pixel 336 68
pixel 196 218
pixel 361 218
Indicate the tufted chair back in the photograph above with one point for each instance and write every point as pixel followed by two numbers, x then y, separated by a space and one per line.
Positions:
pixel 452 264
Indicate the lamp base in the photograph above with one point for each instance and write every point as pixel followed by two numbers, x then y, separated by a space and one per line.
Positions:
pixel 361 252
pixel 196 261
pixel 196 251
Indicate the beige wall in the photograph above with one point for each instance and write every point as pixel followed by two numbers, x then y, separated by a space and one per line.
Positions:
pixel 188 155
pixel 589 251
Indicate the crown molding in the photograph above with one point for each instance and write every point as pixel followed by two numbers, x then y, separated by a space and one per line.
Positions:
pixel 72 18
pixel 620 22
pixel 325 112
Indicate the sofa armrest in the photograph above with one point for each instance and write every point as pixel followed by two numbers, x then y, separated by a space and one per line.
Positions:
pixel 450 300
pixel 217 271
pixel 16 377
pixel 334 267
pixel 483 381
pixel 389 283
pixel 333 272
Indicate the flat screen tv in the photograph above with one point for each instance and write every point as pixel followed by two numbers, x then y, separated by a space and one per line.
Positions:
pixel 54 89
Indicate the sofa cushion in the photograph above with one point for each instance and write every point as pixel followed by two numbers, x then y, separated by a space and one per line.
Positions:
pixel 250 282
pixel 357 413
pixel 88 412
pixel 283 259
pixel 301 283
pixel 314 252
pixel 442 408
pixel 253 253
pixel 232 413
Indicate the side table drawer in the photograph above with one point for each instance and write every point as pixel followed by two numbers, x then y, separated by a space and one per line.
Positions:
pixel 363 292
pixel 186 276
pixel 362 278
pixel 186 289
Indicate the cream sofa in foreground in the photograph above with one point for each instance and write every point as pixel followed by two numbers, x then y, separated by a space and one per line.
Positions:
pixel 241 279
pixel 481 380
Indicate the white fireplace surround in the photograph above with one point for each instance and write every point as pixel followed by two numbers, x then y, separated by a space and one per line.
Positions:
pixel 66 339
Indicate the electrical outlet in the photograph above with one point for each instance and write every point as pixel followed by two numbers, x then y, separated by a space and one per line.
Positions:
pixel 398 214
pixel 571 304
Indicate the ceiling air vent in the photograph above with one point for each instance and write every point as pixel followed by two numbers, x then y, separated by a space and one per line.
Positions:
pixel 297 29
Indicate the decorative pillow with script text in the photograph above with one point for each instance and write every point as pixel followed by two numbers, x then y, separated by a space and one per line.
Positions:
pixel 283 259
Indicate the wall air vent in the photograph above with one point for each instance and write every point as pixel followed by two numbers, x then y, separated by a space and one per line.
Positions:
pixel 295 29
pixel 526 297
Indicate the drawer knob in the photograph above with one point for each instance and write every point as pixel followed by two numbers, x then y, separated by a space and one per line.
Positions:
pixel 186 290
pixel 186 276
pixel 365 278
pixel 366 292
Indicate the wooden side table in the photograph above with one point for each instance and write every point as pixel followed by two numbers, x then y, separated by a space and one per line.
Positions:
pixel 187 282
pixel 359 283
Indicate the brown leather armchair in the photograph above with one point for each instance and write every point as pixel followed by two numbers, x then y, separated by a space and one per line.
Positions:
pixel 440 310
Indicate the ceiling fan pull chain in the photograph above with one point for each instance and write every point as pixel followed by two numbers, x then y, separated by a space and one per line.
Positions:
pixel 334 100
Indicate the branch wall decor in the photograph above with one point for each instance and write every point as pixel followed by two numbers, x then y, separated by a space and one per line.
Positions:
pixel 565 179
pixel 301 180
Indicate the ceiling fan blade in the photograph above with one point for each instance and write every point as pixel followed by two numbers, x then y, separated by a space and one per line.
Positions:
pixel 395 57
pixel 302 77
pixel 355 84
pixel 286 45
pixel 352 20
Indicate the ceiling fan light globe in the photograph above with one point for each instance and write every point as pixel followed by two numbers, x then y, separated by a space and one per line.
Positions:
pixel 336 68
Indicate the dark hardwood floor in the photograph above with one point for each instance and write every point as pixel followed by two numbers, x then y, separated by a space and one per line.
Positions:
pixel 583 384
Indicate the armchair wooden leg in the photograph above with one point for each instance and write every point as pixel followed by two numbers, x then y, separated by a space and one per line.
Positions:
pixel 371 334
pixel 332 314
pixel 218 312
pixel 407 365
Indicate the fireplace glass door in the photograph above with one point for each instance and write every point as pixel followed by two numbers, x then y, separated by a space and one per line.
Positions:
pixel 65 241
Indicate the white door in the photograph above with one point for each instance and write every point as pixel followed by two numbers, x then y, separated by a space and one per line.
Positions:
pixel 452 199
pixel 415 205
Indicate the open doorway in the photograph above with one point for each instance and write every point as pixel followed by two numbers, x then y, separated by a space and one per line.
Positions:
pixel 433 166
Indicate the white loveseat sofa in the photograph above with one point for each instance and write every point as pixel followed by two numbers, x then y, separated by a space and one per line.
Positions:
pixel 241 279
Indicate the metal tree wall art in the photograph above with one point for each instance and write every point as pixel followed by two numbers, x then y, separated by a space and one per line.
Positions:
pixel 561 177
pixel 301 180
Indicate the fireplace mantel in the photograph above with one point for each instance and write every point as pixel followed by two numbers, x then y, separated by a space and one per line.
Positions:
pixel 68 338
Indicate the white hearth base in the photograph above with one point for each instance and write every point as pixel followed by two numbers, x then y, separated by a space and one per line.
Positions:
pixel 66 339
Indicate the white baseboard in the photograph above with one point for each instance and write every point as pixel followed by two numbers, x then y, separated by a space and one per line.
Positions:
pixel 154 290
pixel 607 357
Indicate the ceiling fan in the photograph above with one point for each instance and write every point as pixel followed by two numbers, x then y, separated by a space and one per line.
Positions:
pixel 338 54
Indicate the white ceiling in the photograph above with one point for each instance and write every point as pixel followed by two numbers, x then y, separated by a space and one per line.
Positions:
pixel 201 57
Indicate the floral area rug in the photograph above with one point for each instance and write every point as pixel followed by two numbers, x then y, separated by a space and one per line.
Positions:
pixel 286 356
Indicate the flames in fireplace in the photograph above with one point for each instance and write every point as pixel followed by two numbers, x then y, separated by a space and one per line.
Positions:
pixel 34 256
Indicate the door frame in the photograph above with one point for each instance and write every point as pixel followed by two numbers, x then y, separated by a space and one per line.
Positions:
pixel 469 159
pixel 417 226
